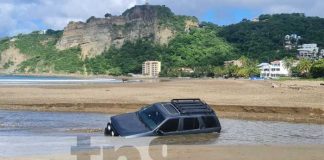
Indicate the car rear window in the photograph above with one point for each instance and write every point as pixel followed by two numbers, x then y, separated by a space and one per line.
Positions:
pixel 209 121
pixel 170 126
pixel 190 123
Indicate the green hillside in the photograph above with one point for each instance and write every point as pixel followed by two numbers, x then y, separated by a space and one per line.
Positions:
pixel 203 49
pixel 264 40
pixel 44 57
pixel 197 49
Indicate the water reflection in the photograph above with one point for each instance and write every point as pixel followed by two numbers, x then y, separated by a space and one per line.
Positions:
pixel 196 139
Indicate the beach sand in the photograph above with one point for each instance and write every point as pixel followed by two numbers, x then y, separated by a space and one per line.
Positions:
pixel 293 101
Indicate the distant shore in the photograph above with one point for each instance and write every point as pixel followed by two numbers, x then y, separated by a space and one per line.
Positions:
pixel 60 75
pixel 290 101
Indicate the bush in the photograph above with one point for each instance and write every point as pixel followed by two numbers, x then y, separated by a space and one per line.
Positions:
pixel 98 65
pixel 4 44
pixel 317 69
pixel 8 64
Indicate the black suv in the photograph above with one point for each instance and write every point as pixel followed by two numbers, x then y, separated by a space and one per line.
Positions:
pixel 180 116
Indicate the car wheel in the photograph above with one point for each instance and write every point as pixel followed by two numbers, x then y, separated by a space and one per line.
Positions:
pixel 107 132
pixel 109 126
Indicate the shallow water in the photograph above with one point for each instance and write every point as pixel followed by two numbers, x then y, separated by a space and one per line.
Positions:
pixel 26 123
pixel 57 132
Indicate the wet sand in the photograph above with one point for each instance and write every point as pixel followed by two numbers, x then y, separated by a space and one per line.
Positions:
pixel 292 101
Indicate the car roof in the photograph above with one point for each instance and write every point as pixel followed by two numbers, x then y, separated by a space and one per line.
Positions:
pixel 185 107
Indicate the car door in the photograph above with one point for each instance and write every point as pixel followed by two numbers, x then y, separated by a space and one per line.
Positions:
pixel 191 125
pixel 169 127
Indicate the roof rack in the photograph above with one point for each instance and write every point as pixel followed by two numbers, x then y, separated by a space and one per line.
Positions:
pixel 191 106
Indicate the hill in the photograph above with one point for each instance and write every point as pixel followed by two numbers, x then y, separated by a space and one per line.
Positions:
pixel 149 22
pixel 118 45
pixel 264 39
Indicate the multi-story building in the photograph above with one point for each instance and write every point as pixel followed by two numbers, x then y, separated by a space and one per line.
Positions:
pixel 151 68
pixel 309 51
pixel 274 70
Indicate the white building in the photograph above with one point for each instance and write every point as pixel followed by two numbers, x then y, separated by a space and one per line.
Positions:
pixel 309 51
pixel 13 39
pixel 274 70
pixel 42 32
pixel 321 54
pixel 291 41
pixel 256 19
pixel 151 68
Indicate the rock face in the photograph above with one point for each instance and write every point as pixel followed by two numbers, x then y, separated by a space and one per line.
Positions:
pixel 99 34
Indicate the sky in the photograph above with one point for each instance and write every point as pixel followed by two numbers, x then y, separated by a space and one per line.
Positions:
pixel 24 16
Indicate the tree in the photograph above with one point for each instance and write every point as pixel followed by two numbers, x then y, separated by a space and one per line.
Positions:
pixel 249 68
pixel 231 70
pixel 108 15
pixel 288 64
pixel 317 69
pixel 263 40
pixel 218 71
pixel 304 66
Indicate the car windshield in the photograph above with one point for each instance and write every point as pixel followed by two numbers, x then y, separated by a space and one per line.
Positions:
pixel 151 117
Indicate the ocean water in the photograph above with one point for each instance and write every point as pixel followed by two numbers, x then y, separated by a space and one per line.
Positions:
pixel 39 80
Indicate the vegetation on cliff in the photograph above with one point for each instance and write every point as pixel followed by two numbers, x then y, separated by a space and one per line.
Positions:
pixel 43 55
pixel 199 49
pixel 169 19
pixel 4 44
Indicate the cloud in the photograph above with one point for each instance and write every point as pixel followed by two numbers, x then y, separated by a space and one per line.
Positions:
pixel 24 16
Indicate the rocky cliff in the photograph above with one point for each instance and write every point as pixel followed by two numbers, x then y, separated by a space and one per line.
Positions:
pixel 140 22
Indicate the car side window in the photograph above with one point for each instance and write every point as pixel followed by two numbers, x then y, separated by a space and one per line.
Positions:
pixel 209 121
pixel 170 125
pixel 190 123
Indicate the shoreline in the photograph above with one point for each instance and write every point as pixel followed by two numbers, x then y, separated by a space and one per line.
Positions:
pixel 258 113
pixel 83 76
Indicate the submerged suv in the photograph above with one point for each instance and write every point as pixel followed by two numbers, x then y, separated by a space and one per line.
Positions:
pixel 180 116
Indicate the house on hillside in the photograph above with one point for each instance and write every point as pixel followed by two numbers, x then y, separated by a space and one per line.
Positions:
pixel 275 69
pixel 186 70
pixel 321 54
pixel 233 62
pixel 309 51
pixel 291 41
pixel 255 20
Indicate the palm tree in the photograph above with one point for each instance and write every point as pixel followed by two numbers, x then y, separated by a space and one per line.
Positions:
pixel 288 63
pixel 304 66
